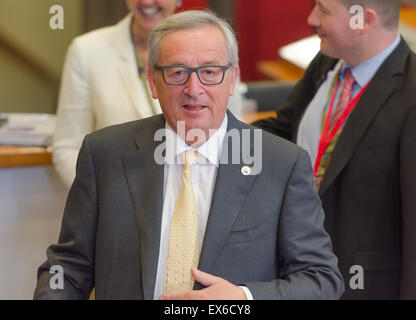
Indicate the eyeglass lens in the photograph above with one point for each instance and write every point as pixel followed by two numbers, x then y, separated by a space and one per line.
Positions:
pixel 207 75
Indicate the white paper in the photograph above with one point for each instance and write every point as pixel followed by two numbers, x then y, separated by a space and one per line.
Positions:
pixel 28 129
pixel 301 52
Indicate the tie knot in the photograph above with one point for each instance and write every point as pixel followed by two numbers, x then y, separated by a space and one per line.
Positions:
pixel 348 77
pixel 347 72
pixel 189 158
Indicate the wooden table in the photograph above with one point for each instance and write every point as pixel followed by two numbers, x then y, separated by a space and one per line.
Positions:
pixel 11 156
pixel 280 70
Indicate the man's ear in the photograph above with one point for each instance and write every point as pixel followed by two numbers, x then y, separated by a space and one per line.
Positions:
pixel 152 82
pixel 236 72
pixel 371 19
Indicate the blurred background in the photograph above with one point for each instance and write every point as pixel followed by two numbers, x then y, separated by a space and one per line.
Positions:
pixel 32 55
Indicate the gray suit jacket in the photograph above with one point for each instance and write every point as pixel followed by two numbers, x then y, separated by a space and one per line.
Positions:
pixel 264 231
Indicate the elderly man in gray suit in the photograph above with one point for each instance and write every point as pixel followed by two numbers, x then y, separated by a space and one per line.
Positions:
pixel 158 211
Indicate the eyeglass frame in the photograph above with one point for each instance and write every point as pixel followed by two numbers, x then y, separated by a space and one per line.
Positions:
pixel 190 71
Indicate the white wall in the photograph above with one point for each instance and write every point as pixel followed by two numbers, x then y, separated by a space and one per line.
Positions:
pixel 31 207
pixel 25 23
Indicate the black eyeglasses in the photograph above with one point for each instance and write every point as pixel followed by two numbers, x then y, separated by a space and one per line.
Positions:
pixel 207 75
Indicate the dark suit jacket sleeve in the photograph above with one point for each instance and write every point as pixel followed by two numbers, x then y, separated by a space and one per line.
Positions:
pixel 408 187
pixel 308 268
pixel 75 251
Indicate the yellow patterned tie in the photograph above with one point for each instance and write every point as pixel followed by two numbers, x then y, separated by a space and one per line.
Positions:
pixel 183 237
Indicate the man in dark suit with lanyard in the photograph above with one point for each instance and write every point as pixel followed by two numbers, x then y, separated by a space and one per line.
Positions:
pixel 354 111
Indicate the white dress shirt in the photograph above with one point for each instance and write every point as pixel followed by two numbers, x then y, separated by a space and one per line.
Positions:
pixel 204 175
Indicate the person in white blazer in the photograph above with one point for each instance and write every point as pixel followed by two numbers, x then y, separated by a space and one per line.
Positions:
pixel 102 82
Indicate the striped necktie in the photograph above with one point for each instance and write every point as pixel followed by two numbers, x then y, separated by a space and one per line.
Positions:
pixel 344 98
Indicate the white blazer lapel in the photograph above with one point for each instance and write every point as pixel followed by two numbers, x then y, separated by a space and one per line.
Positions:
pixel 129 75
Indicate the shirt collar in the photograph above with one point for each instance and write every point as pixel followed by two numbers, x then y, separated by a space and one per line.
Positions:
pixel 209 152
pixel 364 71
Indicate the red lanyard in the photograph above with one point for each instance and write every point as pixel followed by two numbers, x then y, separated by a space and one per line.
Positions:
pixel 326 139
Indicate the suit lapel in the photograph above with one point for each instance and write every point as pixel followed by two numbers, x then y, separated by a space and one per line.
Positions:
pixel 145 182
pixel 127 69
pixel 382 86
pixel 129 77
pixel 231 189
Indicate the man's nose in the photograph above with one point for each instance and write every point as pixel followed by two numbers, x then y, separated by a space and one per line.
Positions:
pixel 193 87
pixel 313 19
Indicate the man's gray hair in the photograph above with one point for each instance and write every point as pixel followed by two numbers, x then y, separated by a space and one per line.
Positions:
pixel 188 20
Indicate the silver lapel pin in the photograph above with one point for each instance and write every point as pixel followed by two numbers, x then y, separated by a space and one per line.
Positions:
pixel 245 171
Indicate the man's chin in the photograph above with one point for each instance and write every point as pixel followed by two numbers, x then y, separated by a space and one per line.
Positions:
pixel 328 52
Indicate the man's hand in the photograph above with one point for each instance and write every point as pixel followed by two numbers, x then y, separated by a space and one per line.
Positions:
pixel 216 289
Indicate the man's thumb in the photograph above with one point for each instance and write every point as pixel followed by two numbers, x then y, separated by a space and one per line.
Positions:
pixel 203 278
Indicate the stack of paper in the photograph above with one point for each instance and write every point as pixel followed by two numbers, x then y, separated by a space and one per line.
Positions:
pixel 301 52
pixel 27 129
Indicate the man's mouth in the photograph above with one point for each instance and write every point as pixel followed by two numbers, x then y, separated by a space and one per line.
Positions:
pixel 150 11
pixel 189 107
pixel 320 34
